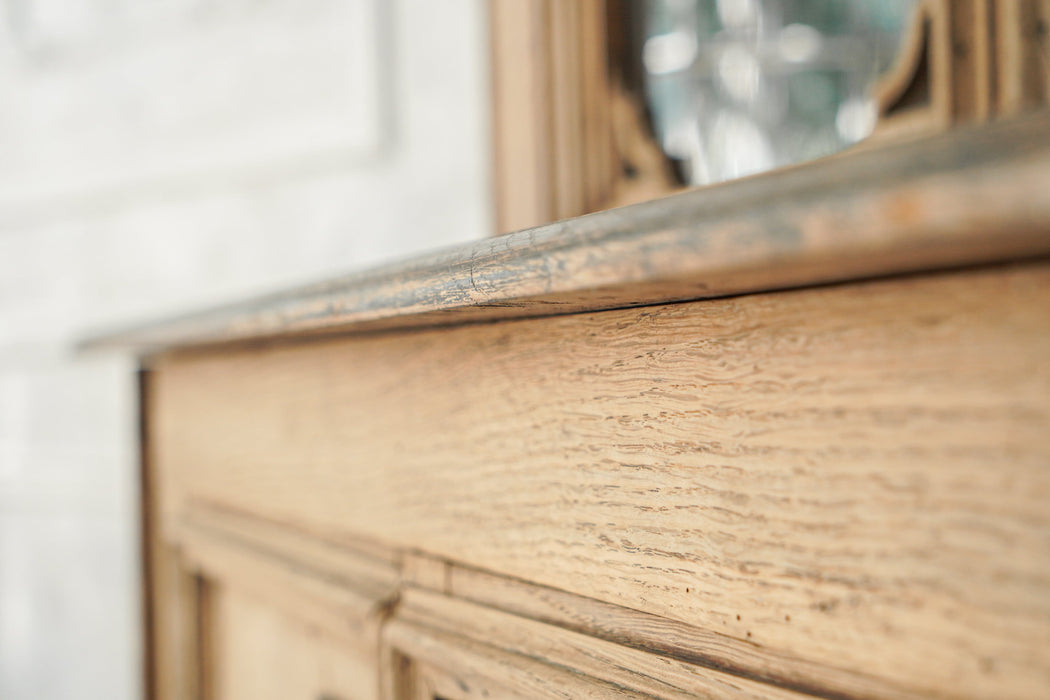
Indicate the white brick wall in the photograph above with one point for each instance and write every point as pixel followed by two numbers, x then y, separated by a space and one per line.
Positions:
pixel 158 156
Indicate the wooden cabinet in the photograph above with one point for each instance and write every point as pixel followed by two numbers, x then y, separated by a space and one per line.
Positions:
pixel 781 438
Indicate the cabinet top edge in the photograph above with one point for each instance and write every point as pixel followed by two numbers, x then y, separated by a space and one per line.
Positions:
pixel 971 196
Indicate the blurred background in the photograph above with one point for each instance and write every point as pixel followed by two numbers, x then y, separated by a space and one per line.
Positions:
pixel 168 155
pixel 164 155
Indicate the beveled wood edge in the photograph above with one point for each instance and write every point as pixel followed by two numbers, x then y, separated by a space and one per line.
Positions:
pixel 346 610
pixel 660 636
pixel 408 587
pixel 654 674
pixel 968 197
pixel 361 565
pixel 344 589
pixel 449 662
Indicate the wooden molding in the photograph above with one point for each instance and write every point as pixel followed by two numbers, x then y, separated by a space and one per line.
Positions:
pixel 960 198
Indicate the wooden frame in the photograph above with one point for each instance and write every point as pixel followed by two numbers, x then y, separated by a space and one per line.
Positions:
pixel 174 597
pixel 570 138
pixel 439 643
pixel 965 62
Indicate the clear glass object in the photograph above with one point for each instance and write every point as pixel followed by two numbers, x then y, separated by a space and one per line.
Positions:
pixel 736 87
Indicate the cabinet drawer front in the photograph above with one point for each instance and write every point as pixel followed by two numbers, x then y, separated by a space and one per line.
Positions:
pixel 856 476
pixel 269 613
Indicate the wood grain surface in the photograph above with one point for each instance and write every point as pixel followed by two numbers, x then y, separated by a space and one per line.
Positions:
pixel 654 634
pixel 286 616
pixel 619 665
pixel 318 599
pixel 855 476
pixel 443 666
pixel 971 196
pixel 260 653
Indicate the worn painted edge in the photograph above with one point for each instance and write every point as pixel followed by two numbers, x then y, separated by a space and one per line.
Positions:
pixel 968 197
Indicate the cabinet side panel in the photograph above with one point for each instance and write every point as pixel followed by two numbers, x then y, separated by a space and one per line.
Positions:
pixel 172 599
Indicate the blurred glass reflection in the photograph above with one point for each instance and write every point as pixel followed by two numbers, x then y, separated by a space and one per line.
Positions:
pixel 740 86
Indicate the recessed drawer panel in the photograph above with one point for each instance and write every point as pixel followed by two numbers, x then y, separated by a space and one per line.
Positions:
pixel 259 652
pixel 277 614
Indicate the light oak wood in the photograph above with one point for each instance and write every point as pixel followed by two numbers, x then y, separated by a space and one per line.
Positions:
pixel 695 646
pixel 965 62
pixel 423 570
pixel 347 613
pixel 262 654
pixel 569 138
pixel 838 492
pixel 617 664
pixel 1023 40
pixel 173 595
pixel 176 622
pixel 965 198
pixel 521 138
pixel 854 477
pixel 354 563
pixel 442 665
pixel 154 673
pixel 284 615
